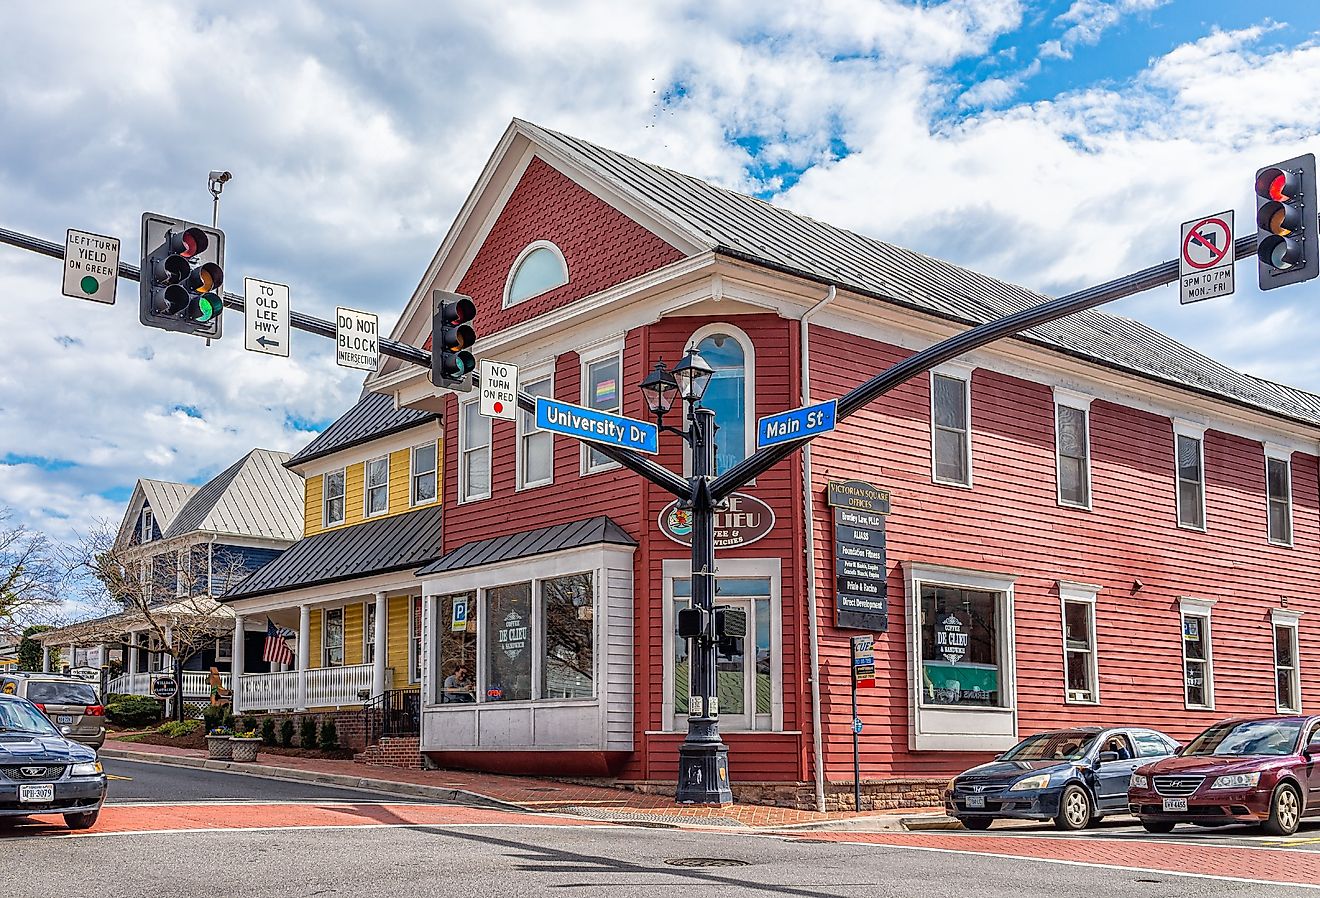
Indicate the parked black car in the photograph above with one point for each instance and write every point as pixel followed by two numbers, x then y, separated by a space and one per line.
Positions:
pixel 42 772
pixel 1073 777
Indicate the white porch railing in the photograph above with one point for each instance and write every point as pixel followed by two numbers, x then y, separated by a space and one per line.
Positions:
pixel 327 687
pixel 196 683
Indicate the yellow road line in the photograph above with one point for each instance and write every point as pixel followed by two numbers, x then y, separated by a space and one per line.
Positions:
pixel 115 776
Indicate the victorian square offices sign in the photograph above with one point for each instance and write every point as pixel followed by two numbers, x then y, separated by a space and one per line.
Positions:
pixel 861 596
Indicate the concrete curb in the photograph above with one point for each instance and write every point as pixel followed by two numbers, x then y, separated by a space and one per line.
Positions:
pixel 264 771
pixel 875 823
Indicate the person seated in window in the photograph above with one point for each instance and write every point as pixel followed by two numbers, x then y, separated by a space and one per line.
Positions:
pixel 458 687
pixel 1117 747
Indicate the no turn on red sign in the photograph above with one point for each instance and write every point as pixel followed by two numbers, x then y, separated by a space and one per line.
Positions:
pixel 499 389
pixel 1205 258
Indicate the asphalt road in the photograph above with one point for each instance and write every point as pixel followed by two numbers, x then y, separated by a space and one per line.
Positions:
pixel 134 782
pixel 514 861
pixel 1126 828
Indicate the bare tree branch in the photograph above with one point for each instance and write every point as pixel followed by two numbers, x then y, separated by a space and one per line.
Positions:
pixel 30 575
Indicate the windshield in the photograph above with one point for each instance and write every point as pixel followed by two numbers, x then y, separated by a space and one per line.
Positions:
pixel 1255 737
pixel 20 717
pixel 1051 747
pixel 60 692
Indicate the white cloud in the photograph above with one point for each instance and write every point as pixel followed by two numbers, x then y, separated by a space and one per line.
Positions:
pixel 1088 20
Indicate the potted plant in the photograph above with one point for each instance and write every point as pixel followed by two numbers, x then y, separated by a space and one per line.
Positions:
pixel 244 746
pixel 218 747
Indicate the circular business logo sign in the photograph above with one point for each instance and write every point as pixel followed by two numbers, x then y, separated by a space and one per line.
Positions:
pixel 163 687
pixel 742 521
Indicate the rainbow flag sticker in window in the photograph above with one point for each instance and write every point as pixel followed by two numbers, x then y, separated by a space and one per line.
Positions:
pixel 607 392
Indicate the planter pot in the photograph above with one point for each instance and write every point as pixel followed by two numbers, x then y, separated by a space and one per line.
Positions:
pixel 245 750
pixel 218 748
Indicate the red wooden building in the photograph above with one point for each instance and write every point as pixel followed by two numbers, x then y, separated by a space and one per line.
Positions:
pixel 1090 523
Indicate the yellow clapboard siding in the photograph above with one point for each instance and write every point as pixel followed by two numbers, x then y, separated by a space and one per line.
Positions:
pixel 314 638
pixel 354 508
pixel 313 490
pixel 353 633
pixel 400 472
pixel 396 637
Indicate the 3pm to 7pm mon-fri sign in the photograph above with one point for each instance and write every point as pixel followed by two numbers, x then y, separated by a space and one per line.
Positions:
pixel 596 426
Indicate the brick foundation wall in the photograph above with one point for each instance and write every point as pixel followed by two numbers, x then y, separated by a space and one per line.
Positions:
pixel 877 795
pixel 392 751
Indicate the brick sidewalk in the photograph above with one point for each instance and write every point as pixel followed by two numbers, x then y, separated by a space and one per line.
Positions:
pixel 529 793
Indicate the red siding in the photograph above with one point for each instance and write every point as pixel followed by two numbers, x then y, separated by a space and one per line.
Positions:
pixel 1011 522
pixel 601 246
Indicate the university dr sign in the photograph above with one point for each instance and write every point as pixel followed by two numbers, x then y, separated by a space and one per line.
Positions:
pixel 744 521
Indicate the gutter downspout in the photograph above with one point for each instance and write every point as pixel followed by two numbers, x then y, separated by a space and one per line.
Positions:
pixel 808 518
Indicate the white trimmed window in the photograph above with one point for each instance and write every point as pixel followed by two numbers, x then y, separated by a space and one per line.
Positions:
pixel 1287 662
pixel 1072 445
pixel 147 526
pixel 964 676
pixel 950 426
pixel 1197 651
pixel 602 390
pixel 1081 680
pixel 538 269
pixel 731 392
pixel 368 632
pixel 536 447
pixel 332 638
pixel 424 473
pixel 415 639
pixel 1278 488
pixel 378 486
pixel 332 498
pixel 1189 460
pixel 473 453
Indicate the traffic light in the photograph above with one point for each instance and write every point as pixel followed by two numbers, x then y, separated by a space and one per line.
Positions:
pixel 1286 222
pixel 451 335
pixel 182 276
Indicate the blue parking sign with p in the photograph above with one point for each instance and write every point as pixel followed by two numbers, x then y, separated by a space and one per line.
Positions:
pixel 459 620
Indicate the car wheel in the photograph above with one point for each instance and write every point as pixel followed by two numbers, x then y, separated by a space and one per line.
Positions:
pixel 977 823
pixel 1158 826
pixel 1285 812
pixel 84 820
pixel 1074 809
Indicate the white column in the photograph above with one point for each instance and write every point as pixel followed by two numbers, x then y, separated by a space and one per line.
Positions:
pixel 382 648
pixel 45 658
pixel 237 665
pixel 132 654
pixel 304 636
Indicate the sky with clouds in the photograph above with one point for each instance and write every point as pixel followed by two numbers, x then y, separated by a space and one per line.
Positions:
pixel 1053 143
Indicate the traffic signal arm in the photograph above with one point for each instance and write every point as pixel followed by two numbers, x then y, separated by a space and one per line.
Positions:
pixel 854 400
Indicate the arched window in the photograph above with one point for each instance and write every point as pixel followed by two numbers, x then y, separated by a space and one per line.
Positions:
pixel 539 268
pixel 728 351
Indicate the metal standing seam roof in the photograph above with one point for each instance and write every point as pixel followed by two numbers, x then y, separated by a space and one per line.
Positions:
pixel 540 541
pixel 751 229
pixel 165 498
pixel 372 416
pixel 399 542
pixel 255 496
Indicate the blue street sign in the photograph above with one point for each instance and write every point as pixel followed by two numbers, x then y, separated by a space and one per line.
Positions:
pixel 796 424
pixel 857 725
pixel 598 427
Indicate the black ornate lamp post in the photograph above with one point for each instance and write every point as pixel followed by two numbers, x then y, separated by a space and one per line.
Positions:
pixel 703 759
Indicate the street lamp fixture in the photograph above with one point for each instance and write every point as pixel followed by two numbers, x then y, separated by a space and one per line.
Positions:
pixel 692 376
pixel 659 388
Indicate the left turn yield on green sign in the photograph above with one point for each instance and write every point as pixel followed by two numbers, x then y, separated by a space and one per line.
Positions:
pixel 91 266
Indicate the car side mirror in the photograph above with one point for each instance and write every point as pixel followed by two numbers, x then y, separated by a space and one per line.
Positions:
pixel 1108 757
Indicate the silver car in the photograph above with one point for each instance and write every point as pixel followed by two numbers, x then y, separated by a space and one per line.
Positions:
pixel 71 704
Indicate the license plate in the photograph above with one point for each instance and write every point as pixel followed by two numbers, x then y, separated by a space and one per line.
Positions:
pixel 1175 804
pixel 64 718
pixel 36 793
pixel 976 801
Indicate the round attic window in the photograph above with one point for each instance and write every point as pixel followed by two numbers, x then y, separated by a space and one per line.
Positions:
pixel 539 268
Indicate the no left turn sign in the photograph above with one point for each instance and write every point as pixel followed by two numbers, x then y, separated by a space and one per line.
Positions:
pixel 1205 258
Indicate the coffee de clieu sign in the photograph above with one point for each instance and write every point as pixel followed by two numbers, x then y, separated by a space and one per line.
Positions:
pixel 742 521
pixel 861 597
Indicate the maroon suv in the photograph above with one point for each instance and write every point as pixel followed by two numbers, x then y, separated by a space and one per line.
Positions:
pixel 1251 770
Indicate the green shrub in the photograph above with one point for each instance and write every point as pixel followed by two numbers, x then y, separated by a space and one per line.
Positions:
pixel 286 732
pixel 133 710
pixel 268 731
pixel 329 740
pixel 177 729
pixel 249 724
pixel 307 732
pixel 213 716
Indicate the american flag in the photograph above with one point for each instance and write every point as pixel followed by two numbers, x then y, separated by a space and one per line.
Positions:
pixel 276 650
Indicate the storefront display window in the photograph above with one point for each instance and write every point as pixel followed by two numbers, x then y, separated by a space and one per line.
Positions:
pixel 744 681
pixel 508 647
pixel 960 648
pixel 456 670
pixel 567 642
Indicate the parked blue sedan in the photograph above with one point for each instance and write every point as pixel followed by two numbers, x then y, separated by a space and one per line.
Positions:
pixel 41 772
pixel 1073 777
